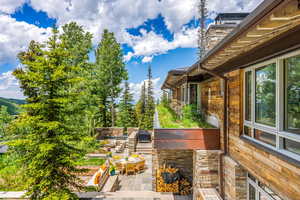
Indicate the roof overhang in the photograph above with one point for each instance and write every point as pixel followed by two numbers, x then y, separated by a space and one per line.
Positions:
pixel 173 77
pixel 272 23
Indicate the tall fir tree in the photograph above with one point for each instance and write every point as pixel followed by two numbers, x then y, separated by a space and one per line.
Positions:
pixel 141 107
pixel 5 119
pixel 150 103
pixel 126 115
pixel 78 44
pixel 109 72
pixel 45 130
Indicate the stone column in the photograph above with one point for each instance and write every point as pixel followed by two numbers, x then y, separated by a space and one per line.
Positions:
pixel 235 180
pixel 206 170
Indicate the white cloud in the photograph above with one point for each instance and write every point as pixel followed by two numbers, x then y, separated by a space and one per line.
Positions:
pixel 10 6
pixel 151 44
pixel 117 16
pixel 147 59
pixel 217 6
pixel 15 37
pixel 135 88
pixel 9 86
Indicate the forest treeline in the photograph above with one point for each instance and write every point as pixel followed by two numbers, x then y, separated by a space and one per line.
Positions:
pixel 68 96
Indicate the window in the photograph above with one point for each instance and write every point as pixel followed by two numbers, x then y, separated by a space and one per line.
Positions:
pixel 247 131
pixel 291 146
pixel 259 191
pixel 265 137
pixel 272 104
pixel 252 193
pixel 265 95
pixel 292 94
pixel 248 95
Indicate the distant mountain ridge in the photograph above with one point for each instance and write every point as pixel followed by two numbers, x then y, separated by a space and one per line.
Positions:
pixel 12 104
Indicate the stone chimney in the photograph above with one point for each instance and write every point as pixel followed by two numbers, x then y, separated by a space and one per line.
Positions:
pixel 223 25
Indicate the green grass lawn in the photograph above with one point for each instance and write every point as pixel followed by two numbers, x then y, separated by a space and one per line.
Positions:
pixel 169 119
pixel 90 162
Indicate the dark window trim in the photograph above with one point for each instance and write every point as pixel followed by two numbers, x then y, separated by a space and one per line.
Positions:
pixel 271 151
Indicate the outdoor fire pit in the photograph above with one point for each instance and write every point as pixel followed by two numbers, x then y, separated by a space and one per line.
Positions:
pixel 144 136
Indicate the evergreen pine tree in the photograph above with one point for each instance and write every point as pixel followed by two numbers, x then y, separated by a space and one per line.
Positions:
pixel 108 73
pixel 5 119
pixel 141 107
pixel 78 43
pixel 150 103
pixel 48 137
pixel 126 115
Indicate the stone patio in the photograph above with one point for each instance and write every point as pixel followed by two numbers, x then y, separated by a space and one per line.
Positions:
pixel 138 182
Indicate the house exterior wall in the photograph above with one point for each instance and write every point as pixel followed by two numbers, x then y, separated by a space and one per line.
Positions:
pixel 212 102
pixel 266 167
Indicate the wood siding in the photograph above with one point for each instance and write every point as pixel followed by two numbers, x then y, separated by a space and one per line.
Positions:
pixel 213 105
pixel 279 175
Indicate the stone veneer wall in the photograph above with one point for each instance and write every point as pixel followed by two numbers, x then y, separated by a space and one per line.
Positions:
pixel 182 159
pixel 109 131
pixel 235 180
pixel 113 131
pixel 206 170
pixel 132 141
pixel 131 130
pixel 215 34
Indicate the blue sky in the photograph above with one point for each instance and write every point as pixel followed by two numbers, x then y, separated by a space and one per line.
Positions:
pixel 162 34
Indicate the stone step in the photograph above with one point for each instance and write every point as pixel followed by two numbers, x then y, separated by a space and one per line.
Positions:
pixel 135 195
pixel 144 151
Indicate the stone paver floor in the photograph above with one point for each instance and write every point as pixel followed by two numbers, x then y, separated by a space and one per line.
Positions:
pixel 138 182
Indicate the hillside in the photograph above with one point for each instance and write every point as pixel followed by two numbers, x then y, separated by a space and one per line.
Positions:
pixel 12 104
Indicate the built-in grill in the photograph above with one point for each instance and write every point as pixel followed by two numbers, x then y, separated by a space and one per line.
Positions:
pixel 144 136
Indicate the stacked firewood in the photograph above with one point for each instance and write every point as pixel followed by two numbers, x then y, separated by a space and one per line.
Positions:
pixel 182 186
pixel 185 187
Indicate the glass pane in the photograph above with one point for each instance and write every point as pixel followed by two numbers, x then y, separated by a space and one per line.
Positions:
pixel 193 94
pixel 247 131
pixel 265 95
pixel 263 197
pixel 291 145
pixel 252 192
pixel 292 94
pixel 268 191
pixel 265 137
pixel 248 102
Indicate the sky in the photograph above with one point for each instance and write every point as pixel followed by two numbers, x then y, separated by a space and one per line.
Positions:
pixel 160 33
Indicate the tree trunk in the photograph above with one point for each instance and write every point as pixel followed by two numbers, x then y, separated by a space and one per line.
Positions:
pixel 113 112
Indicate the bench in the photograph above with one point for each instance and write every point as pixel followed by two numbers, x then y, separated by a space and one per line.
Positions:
pixel 111 184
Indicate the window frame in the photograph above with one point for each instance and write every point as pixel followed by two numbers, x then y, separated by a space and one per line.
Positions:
pixel 279 129
pixel 258 189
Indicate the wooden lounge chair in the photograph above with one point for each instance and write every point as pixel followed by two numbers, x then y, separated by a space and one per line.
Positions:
pixel 140 166
pixel 130 168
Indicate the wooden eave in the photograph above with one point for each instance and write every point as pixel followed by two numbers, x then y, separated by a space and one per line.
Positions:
pixel 265 25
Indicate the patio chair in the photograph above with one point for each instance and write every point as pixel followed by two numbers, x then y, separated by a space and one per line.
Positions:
pixel 116 157
pixel 140 166
pixel 130 168
pixel 120 168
